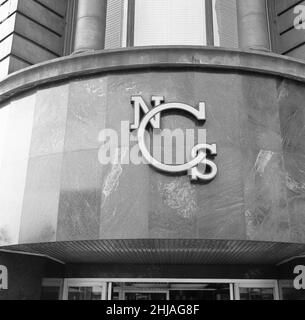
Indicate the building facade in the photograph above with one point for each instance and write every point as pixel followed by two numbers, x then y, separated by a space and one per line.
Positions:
pixel 88 213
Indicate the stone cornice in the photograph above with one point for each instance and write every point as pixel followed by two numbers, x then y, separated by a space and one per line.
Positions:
pixel 140 58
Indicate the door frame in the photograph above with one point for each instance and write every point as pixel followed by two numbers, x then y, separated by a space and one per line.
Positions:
pixel 272 284
pixel 166 292
pixel 84 283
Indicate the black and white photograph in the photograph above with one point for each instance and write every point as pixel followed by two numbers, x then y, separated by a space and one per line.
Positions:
pixel 152 153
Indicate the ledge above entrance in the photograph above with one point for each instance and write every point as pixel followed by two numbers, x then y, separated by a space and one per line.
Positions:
pixel 165 251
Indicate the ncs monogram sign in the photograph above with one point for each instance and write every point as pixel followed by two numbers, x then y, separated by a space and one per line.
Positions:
pixel 201 154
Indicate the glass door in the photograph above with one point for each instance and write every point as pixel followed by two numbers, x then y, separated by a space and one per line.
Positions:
pixel 171 291
pixel 84 290
pixel 51 289
pixel 146 295
pixel 200 291
pixel 256 290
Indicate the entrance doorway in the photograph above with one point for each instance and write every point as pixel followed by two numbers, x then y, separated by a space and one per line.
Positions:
pixel 77 289
pixel 256 290
pixel 170 291
pixel 160 289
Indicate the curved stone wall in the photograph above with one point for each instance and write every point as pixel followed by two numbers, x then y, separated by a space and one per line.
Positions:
pixel 54 188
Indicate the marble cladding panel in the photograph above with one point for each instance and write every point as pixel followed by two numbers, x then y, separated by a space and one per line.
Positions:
pixel 86 113
pixel 124 202
pixel 295 185
pixel 124 193
pixel 80 196
pixel 172 199
pixel 267 215
pixel 223 96
pixel 291 99
pixel 119 91
pixel 266 210
pixel 41 199
pixel 42 188
pixel 48 136
pixel 173 207
pixel 19 129
pixel 13 168
pixel 221 202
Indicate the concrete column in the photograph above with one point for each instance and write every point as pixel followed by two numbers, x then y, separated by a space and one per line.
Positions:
pixel 253 25
pixel 90 25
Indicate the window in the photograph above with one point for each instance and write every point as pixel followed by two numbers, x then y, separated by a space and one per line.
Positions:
pixel 170 22
pixel 51 289
pixel 179 22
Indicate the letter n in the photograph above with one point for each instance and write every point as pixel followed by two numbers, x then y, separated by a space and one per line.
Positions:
pixel 140 105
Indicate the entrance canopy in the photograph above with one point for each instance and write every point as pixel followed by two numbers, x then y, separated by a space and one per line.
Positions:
pixel 162 251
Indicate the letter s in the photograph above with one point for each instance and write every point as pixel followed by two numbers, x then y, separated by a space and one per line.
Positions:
pixel 194 172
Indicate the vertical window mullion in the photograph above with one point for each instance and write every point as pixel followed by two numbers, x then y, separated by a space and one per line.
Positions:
pixel 130 23
pixel 209 22
pixel 273 28
pixel 70 27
